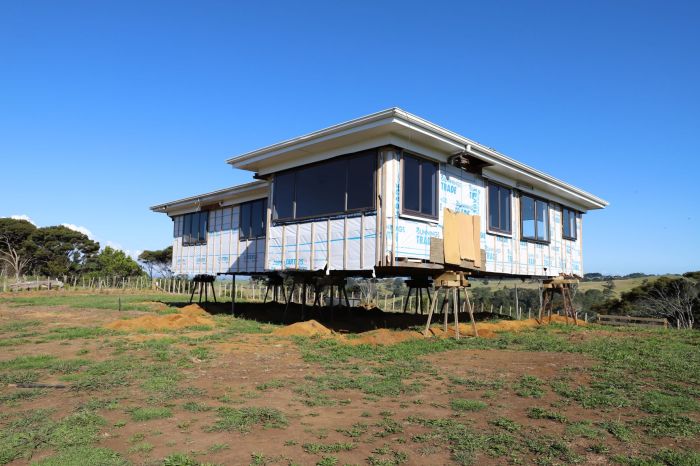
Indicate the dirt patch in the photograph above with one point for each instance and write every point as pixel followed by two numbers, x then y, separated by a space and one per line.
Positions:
pixel 156 306
pixel 308 328
pixel 383 337
pixel 189 316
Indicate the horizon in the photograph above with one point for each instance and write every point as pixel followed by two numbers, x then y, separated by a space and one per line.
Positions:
pixel 109 109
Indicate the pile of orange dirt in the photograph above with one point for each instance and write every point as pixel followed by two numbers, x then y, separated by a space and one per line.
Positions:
pixel 303 329
pixel 154 305
pixel 383 336
pixel 489 329
pixel 189 316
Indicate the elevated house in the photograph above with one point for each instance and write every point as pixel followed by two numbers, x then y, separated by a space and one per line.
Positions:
pixel 387 194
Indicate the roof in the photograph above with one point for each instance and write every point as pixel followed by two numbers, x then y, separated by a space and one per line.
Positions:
pixel 392 126
pixel 222 197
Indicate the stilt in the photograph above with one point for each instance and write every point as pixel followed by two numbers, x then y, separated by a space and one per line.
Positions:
pixel 455 308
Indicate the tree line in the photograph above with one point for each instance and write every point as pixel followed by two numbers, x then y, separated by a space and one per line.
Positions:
pixel 58 251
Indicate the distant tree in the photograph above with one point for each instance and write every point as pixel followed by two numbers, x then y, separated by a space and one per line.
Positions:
pixel 159 261
pixel 58 251
pixel 113 263
pixel 397 286
pixel 672 298
pixel 609 289
pixel 13 258
pixel 592 276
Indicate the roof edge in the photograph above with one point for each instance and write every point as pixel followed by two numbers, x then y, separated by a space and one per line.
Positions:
pixel 210 196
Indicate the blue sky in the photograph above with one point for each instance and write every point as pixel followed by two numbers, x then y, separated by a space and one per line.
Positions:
pixel 107 108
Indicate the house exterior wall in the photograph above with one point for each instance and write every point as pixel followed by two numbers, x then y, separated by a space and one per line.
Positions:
pixel 350 242
pixel 223 252
pixel 409 237
pixel 345 242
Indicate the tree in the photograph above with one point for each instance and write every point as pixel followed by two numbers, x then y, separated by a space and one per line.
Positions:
pixel 15 245
pixel 61 251
pixel 13 257
pixel 113 263
pixel 609 289
pixel 158 260
pixel 672 298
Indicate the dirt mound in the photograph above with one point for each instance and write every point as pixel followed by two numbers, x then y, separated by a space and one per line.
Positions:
pixel 383 336
pixel 303 329
pixel 189 316
pixel 489 329
pixel 154 305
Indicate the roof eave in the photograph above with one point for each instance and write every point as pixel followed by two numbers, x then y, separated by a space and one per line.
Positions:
pixel 210 197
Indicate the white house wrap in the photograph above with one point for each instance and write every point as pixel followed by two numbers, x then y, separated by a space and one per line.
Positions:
pixel 369 194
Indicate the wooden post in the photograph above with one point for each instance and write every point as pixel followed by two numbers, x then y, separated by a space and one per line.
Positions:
pixel 430 313
pixel 455 308
pixel 471 312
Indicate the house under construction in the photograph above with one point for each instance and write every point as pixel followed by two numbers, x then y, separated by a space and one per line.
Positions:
pixel 387 194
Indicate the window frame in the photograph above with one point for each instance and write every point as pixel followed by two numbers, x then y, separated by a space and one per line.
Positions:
pixel 241 236
pixel 489 228
pixel 199 241
pixel 346 211
pixel 534 239
pixel 436 197
pixel 574 231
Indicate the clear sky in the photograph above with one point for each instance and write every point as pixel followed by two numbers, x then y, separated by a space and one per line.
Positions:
pixel 107 108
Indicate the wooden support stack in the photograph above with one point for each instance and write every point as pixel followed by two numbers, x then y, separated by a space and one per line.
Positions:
pixel 418 284
pixel 558 285
pixel 203 282
pixel 275 283
pixel 451 284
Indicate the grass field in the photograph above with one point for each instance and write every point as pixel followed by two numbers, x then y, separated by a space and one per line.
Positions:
pixel 235 392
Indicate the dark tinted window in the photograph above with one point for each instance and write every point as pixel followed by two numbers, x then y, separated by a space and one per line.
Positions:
pixel 534 215
pixel 244 224
pixel 428 173
pixel 320 189
pixel 361 181
pixel 284 195
pixel 419 186
pixel 332 187
pixel 411 184
pixel 253 218
pixel 194 229
pixel 499 208
pixel 568 223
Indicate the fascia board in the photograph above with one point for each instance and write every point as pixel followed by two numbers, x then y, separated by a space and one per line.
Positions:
pixel 257 189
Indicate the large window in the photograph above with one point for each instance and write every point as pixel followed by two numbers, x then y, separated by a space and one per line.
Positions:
pixel 534 217
pixel 252 220
pixel 499 208
pixel 193 228
pixel 568 218
pixel 343 184
pixel 419 186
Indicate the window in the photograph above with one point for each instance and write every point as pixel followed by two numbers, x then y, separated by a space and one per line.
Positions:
pixel 534 217
pixel 252 219
pixel 419 186
pixel 194 228
pixel 343 184
pixel 499 208
pixel 568 219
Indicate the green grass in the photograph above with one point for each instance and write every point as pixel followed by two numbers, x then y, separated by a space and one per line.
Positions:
pixel 81 456
pixel 337 447
pixel 529 386
pixel 129 302
pixel 543 413
pixel 150 412
pixel 463 405
pixel 243 419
